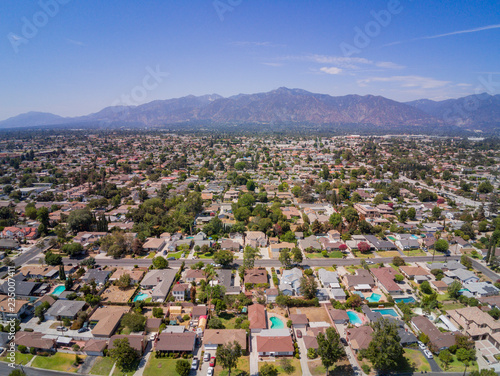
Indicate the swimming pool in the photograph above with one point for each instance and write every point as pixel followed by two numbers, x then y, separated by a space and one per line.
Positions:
pixel 354 318
pixel 386 311
pixel 276 323
pixel 373 298
pixel 58 290
pixel 405 300
pixel 141 296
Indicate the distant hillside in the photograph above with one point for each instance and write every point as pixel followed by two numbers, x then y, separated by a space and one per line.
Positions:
pixel 482 110
pixel 30 119
pixel 295 107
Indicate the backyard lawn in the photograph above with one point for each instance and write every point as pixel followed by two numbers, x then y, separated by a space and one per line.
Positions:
pixel 57 362
pixel 160 366
pixel 228 319
pixel 102 366
pixel 20 358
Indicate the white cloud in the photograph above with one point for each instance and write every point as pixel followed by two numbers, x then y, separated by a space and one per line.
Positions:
pixel 345 63
pixel 331 70
pixel 467 31
pixel 389 65
pixel 407 81
pixel 273 64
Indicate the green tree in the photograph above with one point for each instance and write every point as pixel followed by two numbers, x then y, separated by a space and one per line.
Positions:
pixel 287 366
pixel 484 372
pixel 412 213
pixel 441 245
pixel 80 220
pixel 426 288
pixel 268 370
pixel 385 351
pixel 134 321
pixel 330 348
pixel 453 289
pixel 485 187
pixel 446 358
pixel 285 258
pixel 52 259
pixel 183 367
pixel 250 254
pixel 297 255
pixel 228 355
pixel 159 262
pixel 17 372
pixel 124 281
pixel 223 257
pixel 123 354
pixel 335 220
pixel 308 287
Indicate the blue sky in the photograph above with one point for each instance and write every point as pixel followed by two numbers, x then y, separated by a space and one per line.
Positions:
pixel 80 56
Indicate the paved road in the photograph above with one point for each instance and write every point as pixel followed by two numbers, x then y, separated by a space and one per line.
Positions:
pixel 31 253
pixel 485 270
pixel 5 370
pixel 265 263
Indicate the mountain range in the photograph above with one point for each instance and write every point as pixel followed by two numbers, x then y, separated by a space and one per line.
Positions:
pixel 286 106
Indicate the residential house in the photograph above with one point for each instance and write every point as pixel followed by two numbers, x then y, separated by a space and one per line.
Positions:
pixel 180 291
pixel 328 278
pixel 154 245
pixel 275 249
pixel 35 340
pixel 176 342
pixel 64 309
pixel 311 242
pixel 271 295
pixel 12 310
pixel 255 239
pixel 385 278
pixel 137 342
pixel 194 275
pixel 361 281
pixel 359 337
pixel 256 276
pixel 299 320
pixel 275 343
pixel 439 340
pixel 160 282
pixel 100 277
pixel 474 322
pixel 257 317
pixel 230 245
pixel 106 320
pixel 416 273
pixel 339 316
pixel 463 275
pixel 95 347
pixel 290 282
pixel 212 338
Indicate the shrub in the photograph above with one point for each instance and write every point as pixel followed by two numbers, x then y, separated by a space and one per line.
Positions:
pixel 22 349
pixel 32 351
pixel 366 368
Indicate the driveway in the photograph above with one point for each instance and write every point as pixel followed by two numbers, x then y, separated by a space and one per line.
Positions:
pixel 351 356
pixel 432 362
pixel 303 356
pixel 254 356
pixel 44 327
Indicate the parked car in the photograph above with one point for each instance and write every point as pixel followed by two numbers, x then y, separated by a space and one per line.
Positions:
pixel 428 354
pixel 344 341
pixel 210 371
pixel 81 330
pixel 206 357
pixel 299 334
pixel 422 345
pixel 194 364
pixel 152 337
pixel 62 328
pixel 212 361
pixel 370 262
pixel 171 258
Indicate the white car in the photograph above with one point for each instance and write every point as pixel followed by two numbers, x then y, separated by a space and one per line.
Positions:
pixel 152 336
pixel 428 354
pixel 422 345
pixel 370 262
pixel 210 371
pixel 206 357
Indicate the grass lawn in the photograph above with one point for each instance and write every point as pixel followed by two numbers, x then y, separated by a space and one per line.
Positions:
pixel 119 372
pixel 151 255
pixel 57 362
pixel 415 252
pixel 160 366
pixel 341 368
pixel 447 307
pixel 177 255
pixel 363 255
pixel 456 366
pixel 277 364
pixel 333 254
pixel 417 360
pixel 351 269
pixel 443 297
pixel 208 255
pixel 243 368
pixel 388 253
pixel 228 319
pixel 20 358
pixel 102 366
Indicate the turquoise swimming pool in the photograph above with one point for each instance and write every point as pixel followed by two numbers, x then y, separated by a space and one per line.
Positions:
pixel 374 298
pixel 386 311
pixel 354 318
pixel 276 323
pixel 405 300
pixel 141 296
pixel 58 290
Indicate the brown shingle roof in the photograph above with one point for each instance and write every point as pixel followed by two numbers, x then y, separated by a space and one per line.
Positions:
pixel 274 344
pixel 176 341
pixel 223 336
pixel 257 316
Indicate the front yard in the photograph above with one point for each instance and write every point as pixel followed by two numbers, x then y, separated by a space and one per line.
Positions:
pixel 20 358
pixel 160 366
pixel 333 254
pixel 456 366
pixel 102 366
pixel 57 362
pixel 277 364
pixel 243 368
